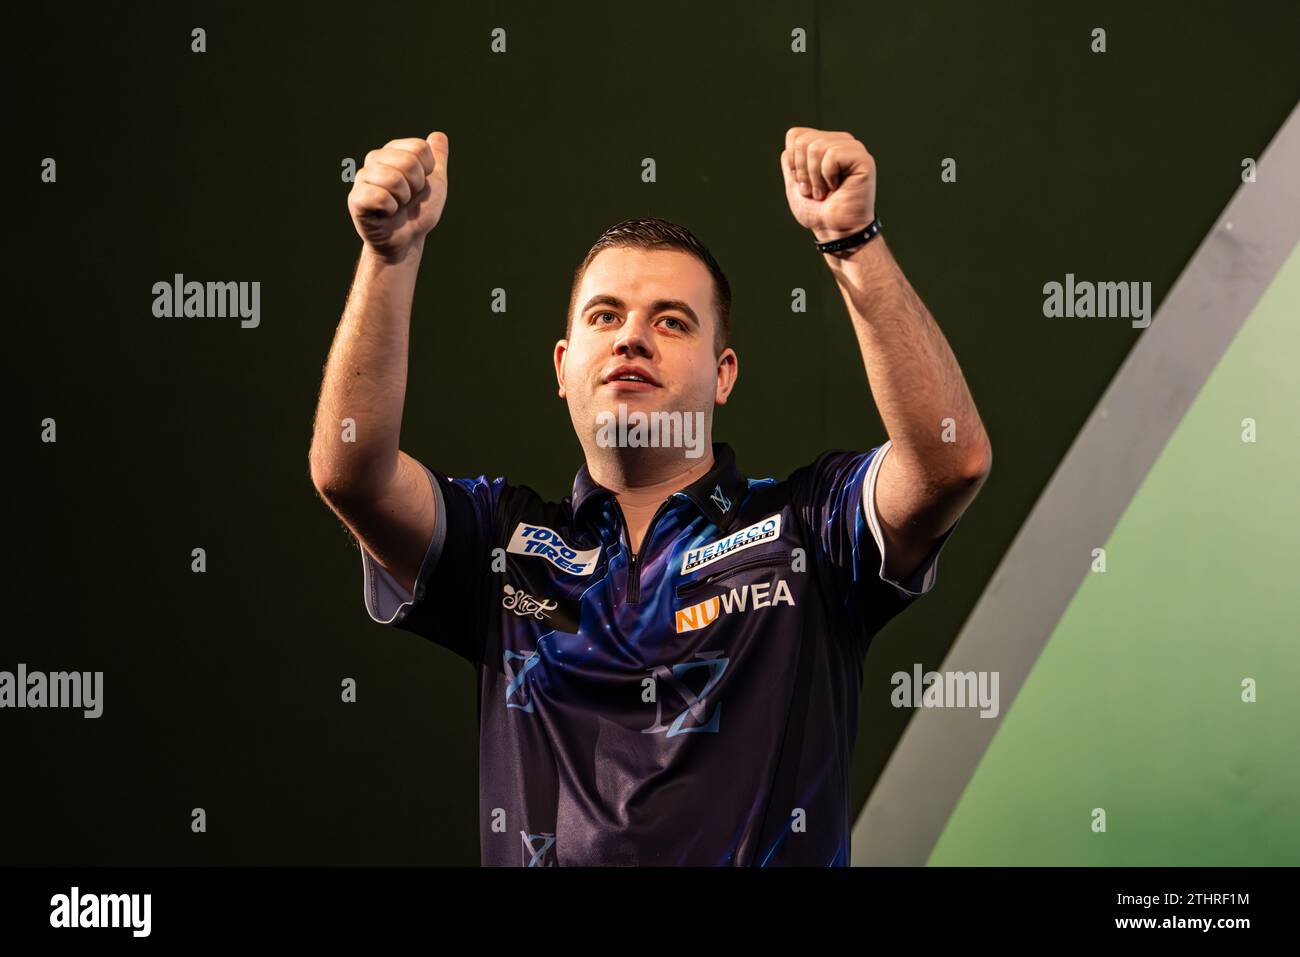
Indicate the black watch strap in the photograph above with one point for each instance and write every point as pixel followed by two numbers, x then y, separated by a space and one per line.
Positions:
pixel 848 242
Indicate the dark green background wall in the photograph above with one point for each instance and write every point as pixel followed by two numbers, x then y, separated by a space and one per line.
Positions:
pixel 222 689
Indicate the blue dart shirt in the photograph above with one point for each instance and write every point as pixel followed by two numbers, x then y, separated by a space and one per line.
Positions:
pixel 695 703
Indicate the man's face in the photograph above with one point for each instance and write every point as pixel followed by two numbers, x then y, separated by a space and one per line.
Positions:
pixel 651 311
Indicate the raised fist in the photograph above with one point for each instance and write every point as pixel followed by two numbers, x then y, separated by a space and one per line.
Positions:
pixel 830 181
pixel 399 193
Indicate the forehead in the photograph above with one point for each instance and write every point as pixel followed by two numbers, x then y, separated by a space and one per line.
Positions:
pixel 640 276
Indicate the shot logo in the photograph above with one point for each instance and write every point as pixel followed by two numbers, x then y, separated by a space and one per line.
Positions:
pixel 542 542
pixel 557 613
pixel 710 668
pixel 516 690
pixel 761 531
pixel 525 605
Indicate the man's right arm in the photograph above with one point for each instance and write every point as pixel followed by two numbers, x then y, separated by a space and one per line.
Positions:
pixel 378 491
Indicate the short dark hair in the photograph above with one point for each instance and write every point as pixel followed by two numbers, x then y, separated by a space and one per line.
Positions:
pixel 658 234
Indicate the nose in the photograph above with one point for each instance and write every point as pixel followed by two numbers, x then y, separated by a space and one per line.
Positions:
pixel 633 340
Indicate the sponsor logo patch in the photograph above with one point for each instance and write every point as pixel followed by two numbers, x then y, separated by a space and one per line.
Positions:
pixel 712 664
pixel 542 542
pixel 553 612
pixel 525 605
pixel 720 499
pixel 755 596
pixel 764 530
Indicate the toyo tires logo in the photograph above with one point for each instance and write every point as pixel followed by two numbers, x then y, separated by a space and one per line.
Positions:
pixel 542 542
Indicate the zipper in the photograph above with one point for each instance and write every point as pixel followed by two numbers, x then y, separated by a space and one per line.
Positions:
pixel 634 568
pixel 780 558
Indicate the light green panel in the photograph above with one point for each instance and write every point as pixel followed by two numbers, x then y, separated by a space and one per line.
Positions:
pixel 1135 705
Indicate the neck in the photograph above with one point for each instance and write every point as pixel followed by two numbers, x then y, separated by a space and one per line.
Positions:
pixel 641 478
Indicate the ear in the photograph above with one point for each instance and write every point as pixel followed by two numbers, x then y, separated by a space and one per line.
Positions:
pixel 561 351
pixel 728 371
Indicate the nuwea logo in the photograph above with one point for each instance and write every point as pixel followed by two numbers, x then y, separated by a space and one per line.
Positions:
pixel 754 596
pixel 764 530
pixel 542 542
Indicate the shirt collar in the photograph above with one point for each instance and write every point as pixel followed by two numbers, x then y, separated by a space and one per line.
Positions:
pixel 717 493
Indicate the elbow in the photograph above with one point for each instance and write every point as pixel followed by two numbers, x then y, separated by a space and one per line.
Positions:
pixel 329 480
pixel 341 480
pixel 322 479
pixel 979 466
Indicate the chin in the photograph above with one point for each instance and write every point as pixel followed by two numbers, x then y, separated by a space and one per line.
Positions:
pixel 613 400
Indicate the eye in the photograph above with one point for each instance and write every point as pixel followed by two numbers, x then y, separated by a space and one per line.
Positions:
pixel 596 317
pixel 680 325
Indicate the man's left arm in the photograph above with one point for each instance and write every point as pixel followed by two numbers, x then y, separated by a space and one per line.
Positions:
pixel 939 453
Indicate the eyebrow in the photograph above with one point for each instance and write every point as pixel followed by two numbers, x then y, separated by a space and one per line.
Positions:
pixel 658 306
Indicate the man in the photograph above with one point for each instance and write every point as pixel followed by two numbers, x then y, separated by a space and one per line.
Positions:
pixel 669 660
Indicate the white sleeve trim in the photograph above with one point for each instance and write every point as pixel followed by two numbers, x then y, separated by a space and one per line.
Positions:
pixel 386 600
pixel 928 570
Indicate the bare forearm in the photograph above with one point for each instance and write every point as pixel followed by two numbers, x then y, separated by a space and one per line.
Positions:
pixel 365 377
pixel 913 374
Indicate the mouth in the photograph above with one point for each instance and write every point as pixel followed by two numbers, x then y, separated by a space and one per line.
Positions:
pixel 630 379
pixel 630 385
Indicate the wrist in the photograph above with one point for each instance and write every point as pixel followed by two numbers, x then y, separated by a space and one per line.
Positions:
pixel 411 253
pixel 828 235
pixel 852 261
pixel 842 243
pixel 825 234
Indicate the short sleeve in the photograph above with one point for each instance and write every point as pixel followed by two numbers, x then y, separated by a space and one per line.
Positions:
pixel 831 496
pixel 447 605
pixel 923 579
